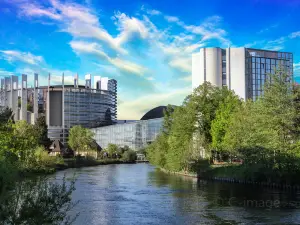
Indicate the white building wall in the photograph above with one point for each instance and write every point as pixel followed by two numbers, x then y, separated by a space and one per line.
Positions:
pixel 207 66
pixel 96 80
pixel 104 83
pixel 14 97
pixel 213 66
pixel 35 98
pixel 23 111
pixel 237 67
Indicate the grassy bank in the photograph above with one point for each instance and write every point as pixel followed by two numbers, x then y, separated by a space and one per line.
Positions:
pixel 237 173
pixel 76 163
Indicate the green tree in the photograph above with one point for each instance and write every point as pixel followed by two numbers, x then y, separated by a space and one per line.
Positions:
pixel 129 156
pixel 220 125
pixel 25 140
pixel 112 149
pixel 42 130
pixel 6 114
pixel 37 201
pixel 80 139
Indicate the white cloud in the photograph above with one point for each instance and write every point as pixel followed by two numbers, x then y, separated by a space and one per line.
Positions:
pixel 4 72
pixel 294 34
pixel 152 12
pixel 183 64
pixel 296 66
pixel 127 27
pixel 137 108
pixel 172 19
pixel 81 47
pixel 82 22
pixel 276 45
pixel 33 10
pixel 187 78
pixel 150 78
pixel 25 57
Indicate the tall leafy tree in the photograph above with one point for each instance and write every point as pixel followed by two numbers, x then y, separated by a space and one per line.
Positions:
pixel 42 131
pixel 220 124
pixel 80 138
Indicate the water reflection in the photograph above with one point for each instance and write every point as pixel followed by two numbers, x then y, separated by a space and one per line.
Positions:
pixel 139 194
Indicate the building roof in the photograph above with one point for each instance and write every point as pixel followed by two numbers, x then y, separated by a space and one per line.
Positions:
pixel 154 113
pixel 56 146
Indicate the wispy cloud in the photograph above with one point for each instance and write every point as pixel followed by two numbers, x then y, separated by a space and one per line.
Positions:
pixel 137 108
pixel 4 72
pixel 276 45
pixel 294 34
pixel 81 47
pixel 183 64
pixel 268 28
pixel 25 57
pixel 172 18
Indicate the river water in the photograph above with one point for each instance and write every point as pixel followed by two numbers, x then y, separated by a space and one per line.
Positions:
pixel 140 194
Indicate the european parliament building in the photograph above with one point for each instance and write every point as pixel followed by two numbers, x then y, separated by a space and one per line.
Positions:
pixel 134 134
pixel 63 105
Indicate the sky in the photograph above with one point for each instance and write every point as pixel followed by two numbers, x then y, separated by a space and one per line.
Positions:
pixel 145 45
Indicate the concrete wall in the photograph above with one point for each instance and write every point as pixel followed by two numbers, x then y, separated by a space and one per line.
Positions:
pixel 213 65
pixel 207 66
pixel 23 112
pixel 237 67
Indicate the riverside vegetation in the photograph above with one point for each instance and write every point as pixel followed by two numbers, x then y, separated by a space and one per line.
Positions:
pixel 33 200
pixel 27 196
pixel 213 124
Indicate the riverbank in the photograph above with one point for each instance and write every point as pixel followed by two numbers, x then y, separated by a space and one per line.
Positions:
pixel 240 174
pixel 67 164
pixel 75 163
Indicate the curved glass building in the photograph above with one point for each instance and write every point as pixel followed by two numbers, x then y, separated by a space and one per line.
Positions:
pixel 135 134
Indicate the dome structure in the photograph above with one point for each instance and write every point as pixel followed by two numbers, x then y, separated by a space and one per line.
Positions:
pixel 154 113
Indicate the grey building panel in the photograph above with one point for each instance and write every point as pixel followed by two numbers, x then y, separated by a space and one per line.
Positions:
pixel 55 108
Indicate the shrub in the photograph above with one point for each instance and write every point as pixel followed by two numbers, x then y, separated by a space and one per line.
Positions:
pixel 129 156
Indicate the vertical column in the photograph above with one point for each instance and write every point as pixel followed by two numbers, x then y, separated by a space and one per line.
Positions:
pixel 8 92
pixel 2 93
pixel 63 107
pixel 228 68
pixel 97 82
pixel 88 81
pixel 48 103
pixel 35 98
pixel 76 81
pixel 14 97
pixel 23 114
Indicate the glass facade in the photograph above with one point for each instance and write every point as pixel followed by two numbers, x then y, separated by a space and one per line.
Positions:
pixel 79 106
pixel 136 134
pixel 261 63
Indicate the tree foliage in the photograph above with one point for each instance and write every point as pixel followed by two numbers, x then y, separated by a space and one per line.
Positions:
pixel 80 138
pixel 214 121
pixel 37 201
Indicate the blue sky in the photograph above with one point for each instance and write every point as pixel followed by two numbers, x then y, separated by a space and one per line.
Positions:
pixel 145 45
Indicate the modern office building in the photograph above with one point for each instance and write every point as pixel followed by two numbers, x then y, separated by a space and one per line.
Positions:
pixel 63 105
pixel 243 70
pixel 135 134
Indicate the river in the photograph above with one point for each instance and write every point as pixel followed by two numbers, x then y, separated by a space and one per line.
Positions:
pixel 139 194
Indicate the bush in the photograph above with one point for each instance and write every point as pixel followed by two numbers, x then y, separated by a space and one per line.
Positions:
pixel 129 156
pixel 38 201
